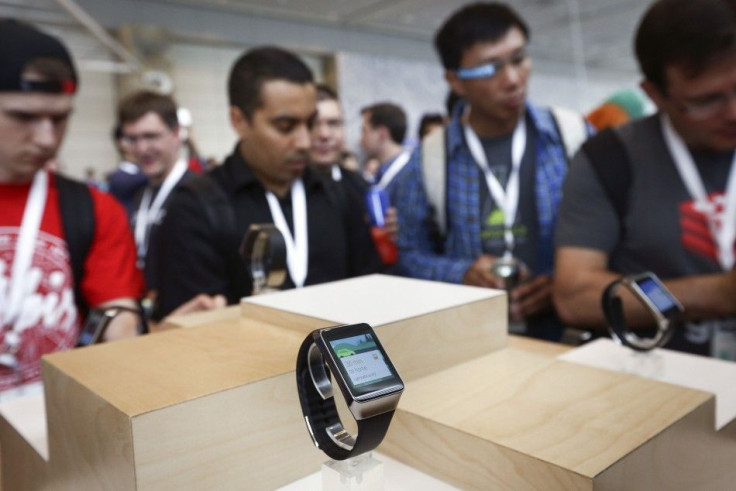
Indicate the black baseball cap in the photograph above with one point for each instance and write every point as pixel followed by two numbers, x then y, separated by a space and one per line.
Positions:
pixel 21 43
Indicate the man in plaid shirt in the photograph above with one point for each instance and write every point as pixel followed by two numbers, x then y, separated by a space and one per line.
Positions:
pixel 505 165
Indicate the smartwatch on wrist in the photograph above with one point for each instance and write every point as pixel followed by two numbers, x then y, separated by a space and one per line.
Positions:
pixel 368 382
pixel 658 300
pixel 264 250
pixel 98 321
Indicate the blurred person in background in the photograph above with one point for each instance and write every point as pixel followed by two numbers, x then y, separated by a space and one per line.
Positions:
pixel 126 180
pixel 326 153
pixel 152 137
pixel 620 108
pixel 429 123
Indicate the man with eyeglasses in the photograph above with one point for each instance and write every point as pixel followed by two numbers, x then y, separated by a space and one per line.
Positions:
pixel 498 166
pixel 150 133
pixel 669 205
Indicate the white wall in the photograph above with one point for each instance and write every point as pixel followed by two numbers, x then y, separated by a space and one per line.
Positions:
pixel 416 86
pixel 88 141
pixel 200 75
pixel 549 87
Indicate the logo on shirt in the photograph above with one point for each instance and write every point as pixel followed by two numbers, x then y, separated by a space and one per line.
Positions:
pixel 698 221
pixel 48 320
pixel 495 227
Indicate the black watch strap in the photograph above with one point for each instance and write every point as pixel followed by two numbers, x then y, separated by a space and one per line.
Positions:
pixel 321 414
pixel 613 310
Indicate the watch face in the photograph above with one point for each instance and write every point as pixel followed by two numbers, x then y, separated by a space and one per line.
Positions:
pixel 657 295
pixel 362 361
pixel 94 325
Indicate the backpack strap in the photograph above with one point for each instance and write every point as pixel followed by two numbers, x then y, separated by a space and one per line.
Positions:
pixel 434 172
pixel 612 165
pixel 78 223
pixel 572 127
pixel 573 131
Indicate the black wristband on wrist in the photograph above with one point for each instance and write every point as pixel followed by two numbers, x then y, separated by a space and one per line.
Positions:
pixel 647 288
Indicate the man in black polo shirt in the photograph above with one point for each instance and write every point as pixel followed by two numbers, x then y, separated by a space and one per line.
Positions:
pixel 265 180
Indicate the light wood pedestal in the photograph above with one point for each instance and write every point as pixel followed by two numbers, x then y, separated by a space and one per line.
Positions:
pixel 213 404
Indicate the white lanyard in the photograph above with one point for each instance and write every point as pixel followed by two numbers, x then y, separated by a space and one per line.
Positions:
pixel 148 213
pixel 336 173
pixel 507 200
pixel 24 249
pixel 393 169
pixel 726 232
pixel 297 249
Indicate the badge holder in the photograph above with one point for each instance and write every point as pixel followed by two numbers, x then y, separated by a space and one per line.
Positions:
pixel 264 252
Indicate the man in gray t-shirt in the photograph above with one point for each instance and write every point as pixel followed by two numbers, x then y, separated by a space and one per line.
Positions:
pixel 667 226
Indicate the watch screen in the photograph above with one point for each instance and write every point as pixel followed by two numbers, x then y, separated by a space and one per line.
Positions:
pixel 361 359
pixel 657 294
pixel 93 326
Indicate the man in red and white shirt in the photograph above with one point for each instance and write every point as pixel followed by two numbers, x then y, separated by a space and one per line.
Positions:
pixel 42 300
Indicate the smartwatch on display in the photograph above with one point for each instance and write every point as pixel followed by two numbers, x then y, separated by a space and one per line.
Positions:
pixel 368 382
pixel 658 300
pixel 264 250
pixel 99 319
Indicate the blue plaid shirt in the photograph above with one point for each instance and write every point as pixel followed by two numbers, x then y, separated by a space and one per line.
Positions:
pixel 422 253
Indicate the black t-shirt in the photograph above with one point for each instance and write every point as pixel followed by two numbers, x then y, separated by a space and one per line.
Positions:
pixel 201 259
pixel 663 231
pixel 526 225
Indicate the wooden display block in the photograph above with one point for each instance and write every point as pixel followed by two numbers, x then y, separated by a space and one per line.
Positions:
pixel 522 420
pixel 215 406
pixel 425 326
pixel 696 372
pixel 191 408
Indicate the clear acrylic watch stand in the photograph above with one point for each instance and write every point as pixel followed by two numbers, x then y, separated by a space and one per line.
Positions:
pixel 648 364
pixel 358 473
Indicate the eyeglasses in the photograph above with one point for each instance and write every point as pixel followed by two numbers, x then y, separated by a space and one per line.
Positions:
pixel 149 138
pixel 492 68
pixel 705 107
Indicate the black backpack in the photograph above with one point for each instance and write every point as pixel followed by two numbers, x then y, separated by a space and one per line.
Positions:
pixel 78 223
